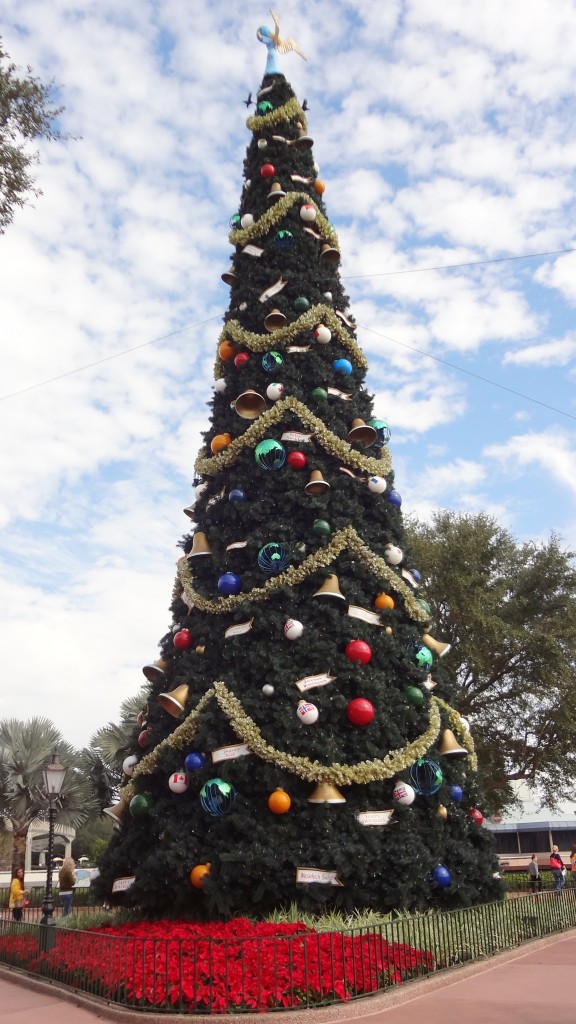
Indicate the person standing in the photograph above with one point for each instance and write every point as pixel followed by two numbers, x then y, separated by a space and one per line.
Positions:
pixel 573 865
pixel 558 869
pixel 535 876
pixel 67 881
pixel 17 894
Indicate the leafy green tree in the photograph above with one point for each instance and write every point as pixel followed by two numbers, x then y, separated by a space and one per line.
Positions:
pixel 27 113
pixel 25 749
pixel 92 837
pixel 509 611
pixel 102 760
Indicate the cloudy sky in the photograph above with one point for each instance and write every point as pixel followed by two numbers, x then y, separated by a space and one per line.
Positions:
pixel 446 135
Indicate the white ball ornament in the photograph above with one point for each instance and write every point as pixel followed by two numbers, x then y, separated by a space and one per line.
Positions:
pixel 393 554
pixel 247 220
pixel 199 490
pixel 129 764
pixel 293 629
pixel 328 295
pixel 377 484
pixel 308 212
pixel 307 713
pixel 262 143
pixel 274 391
pixel 178 782
pixel 404 794
pixel 316 167
pixel 220 385
pixel 322 334
pixel 464 723
pixel 267 689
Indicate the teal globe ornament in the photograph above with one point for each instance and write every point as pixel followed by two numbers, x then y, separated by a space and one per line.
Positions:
pixel 270 454
pixel 141 805
pixel 426 776
pixel 273 558
pixel 264 107
pixel 217 797
pixel 235 221
pixel 424 657
pixel 383 432
pixel 284 239
pixel 271 361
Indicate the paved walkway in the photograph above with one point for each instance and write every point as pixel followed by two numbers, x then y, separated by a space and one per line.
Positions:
pixel 533 985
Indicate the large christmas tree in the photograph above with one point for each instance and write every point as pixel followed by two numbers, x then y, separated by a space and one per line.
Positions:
pixel 298 743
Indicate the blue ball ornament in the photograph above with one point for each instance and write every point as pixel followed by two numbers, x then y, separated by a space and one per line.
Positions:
pixel 229 584
pixel 426 776
pixel 194 761
pixel 217 797
pixel 237 494
pixel 417 576
pixel 273 558
pixel 342 366
pixel 424 657
pixel 383 432
pixel 456 793
pixel 441 876
pixel 284 240
pixel 394 498
pixel 271 361
pixel 270 454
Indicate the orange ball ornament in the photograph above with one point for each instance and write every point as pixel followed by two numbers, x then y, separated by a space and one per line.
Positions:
pixel 220 441
pixel 384 601
pixel 226 351
pixel 319 187
pixel 199 874
pixel 279 802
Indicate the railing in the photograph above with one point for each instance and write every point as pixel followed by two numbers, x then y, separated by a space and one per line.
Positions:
pixel 278 972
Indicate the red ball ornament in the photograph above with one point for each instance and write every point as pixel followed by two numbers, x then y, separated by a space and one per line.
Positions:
pixel 358 650
pixel 145 738
pixel 182 639
pixel 360 711
pixel 241 359
pixel 267 170
pixel 297 460
pixel 475 815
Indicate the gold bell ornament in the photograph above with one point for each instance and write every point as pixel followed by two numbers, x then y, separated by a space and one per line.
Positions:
pixel 250 405
pixel 275 320
pixel 229 276
pixel 436 646
pixel 330 589
pixel 361 433
pixel 325 793
pixel 317 484
pixel 302 140
pixel 449 746
pixel 174 702
pixel 329 254
pixel 442 812
pixel 155 670
pixel 276 192
pixel 189 511
pixel 200 545
pixel 115 812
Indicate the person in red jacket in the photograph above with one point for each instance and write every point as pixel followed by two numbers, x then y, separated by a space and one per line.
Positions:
pixel 558 869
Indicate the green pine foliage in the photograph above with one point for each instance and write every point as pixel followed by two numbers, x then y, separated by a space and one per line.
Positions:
pixel 253 853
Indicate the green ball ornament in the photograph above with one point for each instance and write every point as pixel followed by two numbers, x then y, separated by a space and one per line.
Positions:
pixel 424 605
pixel 413 694
pixel 270 454
pixel 320 395
pixel 264 107
pixel 141 805
pixel 301 304
pixel 321 528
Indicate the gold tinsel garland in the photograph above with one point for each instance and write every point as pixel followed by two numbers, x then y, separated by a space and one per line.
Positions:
pixel 285 336
pixel 336 446
pixel 276 213
pixel 346 539
pixel 377 770
pixel 290 109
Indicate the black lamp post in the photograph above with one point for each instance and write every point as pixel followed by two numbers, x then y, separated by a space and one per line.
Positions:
pixel 54 775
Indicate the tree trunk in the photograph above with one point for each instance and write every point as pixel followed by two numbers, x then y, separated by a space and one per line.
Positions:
pixel 19 849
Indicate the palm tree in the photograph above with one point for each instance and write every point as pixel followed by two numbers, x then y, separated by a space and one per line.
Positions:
pixel 102 760
pixel 25 749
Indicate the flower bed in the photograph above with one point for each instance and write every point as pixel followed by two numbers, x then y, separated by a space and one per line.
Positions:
pixel 215 968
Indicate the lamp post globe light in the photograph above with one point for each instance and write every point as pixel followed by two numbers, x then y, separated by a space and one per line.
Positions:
pixel 54 775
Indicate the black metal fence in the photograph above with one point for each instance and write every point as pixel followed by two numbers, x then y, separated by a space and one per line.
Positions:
pixel 277 972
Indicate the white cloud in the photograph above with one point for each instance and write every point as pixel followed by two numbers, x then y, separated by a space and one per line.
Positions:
pixel 557 352
pixel 553 452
